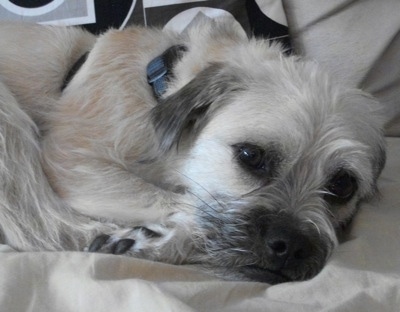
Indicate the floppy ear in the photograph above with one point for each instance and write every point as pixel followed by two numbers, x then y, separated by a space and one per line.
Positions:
pixel 189 109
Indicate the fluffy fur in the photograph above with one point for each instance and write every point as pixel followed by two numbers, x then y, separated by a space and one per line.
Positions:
pixel 249 164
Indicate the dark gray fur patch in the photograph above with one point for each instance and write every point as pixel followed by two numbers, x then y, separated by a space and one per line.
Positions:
pixel 189 109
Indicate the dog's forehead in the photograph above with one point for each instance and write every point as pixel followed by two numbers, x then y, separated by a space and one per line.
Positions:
pixel 271 112
pixel 305 125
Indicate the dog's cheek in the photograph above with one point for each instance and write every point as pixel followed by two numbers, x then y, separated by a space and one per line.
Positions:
pixel 344 213
pixel 210 168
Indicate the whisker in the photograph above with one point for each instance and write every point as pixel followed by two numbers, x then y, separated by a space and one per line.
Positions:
pixel 202 210
pixel 314 224
pixel 203 201
pixel 203 188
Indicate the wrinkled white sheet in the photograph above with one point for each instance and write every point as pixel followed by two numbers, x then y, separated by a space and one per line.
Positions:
pixel 363 275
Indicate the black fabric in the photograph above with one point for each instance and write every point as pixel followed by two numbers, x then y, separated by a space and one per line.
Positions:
pixel 119 13
pixel 262 26
pixel 30 4
pixel 109 14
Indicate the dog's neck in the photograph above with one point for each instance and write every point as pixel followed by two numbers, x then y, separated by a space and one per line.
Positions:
pixel 159 70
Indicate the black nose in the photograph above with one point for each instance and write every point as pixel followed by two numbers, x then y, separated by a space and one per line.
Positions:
pixel 287 247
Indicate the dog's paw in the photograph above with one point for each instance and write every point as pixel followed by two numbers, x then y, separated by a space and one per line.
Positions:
pixel 124 242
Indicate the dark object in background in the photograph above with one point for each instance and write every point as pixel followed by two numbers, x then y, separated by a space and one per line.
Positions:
pixel 99 15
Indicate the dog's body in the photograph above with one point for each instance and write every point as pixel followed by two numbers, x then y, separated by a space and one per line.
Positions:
pixel 250 161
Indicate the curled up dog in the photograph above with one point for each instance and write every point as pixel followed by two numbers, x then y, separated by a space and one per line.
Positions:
pixel 203 147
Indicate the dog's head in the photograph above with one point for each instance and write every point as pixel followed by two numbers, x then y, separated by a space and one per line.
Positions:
pixel 277 155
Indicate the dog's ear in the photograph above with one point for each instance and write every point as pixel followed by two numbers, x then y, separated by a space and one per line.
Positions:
pixel 189 109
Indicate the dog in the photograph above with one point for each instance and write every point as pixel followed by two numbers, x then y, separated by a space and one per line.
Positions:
pixel 205 147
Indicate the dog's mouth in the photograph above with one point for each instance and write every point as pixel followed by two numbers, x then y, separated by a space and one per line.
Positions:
pixel 263 275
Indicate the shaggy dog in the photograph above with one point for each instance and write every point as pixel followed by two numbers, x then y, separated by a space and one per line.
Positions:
pixel 202 147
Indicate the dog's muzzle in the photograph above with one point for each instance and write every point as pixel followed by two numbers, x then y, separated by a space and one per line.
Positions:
pixel 266 246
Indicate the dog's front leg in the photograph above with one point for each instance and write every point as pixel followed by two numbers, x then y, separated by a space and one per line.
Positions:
pixel 169 243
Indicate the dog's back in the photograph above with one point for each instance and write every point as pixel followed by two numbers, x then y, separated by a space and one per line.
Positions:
pixel 33 63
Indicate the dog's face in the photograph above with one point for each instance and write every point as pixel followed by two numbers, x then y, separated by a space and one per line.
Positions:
pixel 278 158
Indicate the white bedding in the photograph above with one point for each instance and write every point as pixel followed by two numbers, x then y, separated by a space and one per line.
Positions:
pixel 363 275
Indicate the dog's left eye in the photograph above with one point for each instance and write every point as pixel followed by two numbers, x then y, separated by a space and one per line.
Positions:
pixel 341 187
pixel 251 156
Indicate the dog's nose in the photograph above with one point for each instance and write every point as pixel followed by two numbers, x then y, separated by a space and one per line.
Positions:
pixel 287 247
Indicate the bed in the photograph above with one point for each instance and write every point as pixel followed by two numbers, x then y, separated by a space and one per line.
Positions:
pixel 359 41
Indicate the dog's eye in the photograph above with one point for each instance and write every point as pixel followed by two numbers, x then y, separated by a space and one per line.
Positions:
pixel 341 187
pixel 251 156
